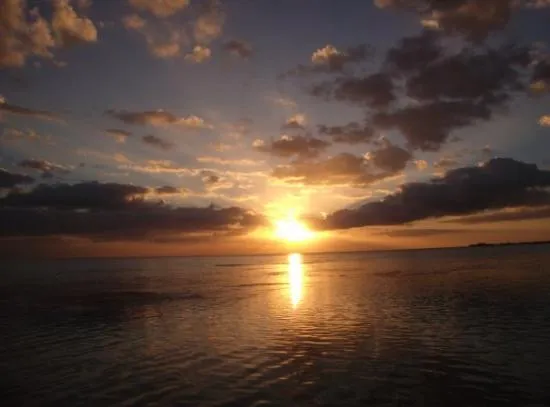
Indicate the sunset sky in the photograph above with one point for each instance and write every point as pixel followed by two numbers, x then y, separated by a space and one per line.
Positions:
pixel 181 127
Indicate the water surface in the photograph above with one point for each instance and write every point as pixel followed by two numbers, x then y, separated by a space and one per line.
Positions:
pixel 461 327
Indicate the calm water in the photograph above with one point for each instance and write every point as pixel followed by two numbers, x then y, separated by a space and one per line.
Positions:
pixel 467 327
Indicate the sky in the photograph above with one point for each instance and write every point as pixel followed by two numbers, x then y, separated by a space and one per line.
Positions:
pixel 192 127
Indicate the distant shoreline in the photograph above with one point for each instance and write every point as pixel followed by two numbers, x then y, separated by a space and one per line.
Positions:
pixel 284 253
pixel 482 244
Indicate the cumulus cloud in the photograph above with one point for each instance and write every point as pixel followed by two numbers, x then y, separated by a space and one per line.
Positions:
pixel 157 118
pixel 374 90
pixel 23 34
pixel 133 22
pixel 499 183
pixel 331 60
pixel 8 108
pixel 473 19
pixel 157 142
pixel 446 163
pixel 10 180
pixel 69 28
pixel 389 158
pixel 199 54
pixel 160 8
pixel 208 26
pixel 238 48
pixel 545 121
pixel 119 135
pixel 292 146
pixel 351 133
pixel 110 211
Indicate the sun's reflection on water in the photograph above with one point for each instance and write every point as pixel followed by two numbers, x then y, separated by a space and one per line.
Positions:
pixel 295 278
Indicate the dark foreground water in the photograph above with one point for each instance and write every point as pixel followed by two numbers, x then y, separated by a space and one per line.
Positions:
pixel 468 327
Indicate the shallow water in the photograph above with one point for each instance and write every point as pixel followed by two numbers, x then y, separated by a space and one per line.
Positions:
pixel 461 327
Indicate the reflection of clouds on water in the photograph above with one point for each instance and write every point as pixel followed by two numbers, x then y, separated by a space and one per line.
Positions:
pixel 295 277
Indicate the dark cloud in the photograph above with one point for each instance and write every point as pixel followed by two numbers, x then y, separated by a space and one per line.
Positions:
pixel 293 146
pixel 342 169
pixel 487 78
pixel 472 19
pixel 168 190
pixel 210 178
pixel 10 180
pixel 412 54
pixel 157 142
pixel 390 158
pixel 351 133
pixel 427 127
pixel 110 212
pixel 499 183
pixel 506 216
pixel 238 48
pixel 86 195
pixel 427 91
pixel 26 112
pixel 375 90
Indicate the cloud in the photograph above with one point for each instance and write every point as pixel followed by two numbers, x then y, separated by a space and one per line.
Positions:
pixel 157 142
pixel 331 60
pixel 289 146
pixel 499 183
pixel 157 118
pixel 199 54
pixel 69 28
pixel 351 133
pixel 119 135
pixel 508 215
pixel 169 190
pixel 427 127
pixel 47 168
pixel 390 158
pixel 11 134
pixel 225 161
pixel 111 212
pixel 298 122
pixel 8 108
pixel 23 34
pixel 545 121
pixel 160 8
pixel 163 40
pixel 414 232
pixel 446 163
pixel 283 101
pixel 208 26
pixel 375 90
pixel 342 169
pixel 133 22
pixel 473 19
pixel 238 48
pixel 10 180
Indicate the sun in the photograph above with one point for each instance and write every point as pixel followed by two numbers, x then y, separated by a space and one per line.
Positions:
pixel 292 230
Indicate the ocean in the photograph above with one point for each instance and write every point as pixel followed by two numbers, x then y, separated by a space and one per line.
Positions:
pixel 453 327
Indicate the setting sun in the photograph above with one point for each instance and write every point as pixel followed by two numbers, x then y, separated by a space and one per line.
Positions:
pixel 292 230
